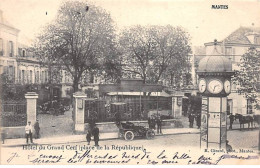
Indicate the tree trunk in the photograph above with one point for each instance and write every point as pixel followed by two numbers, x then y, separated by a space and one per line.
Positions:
pixel 75 84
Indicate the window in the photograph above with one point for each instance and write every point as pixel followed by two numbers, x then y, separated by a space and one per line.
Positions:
pixel 249 107
pixel 229 106
pixel 23 53
pixel 234 55
pixel 46 77
pixel 43 75
pixel 37 77
pixel 11 49
pixel 228 52
pixel 1 47
pixel 22 77
pixel 30 76
pixel 11 73
pixel 257 40
pixel 27 76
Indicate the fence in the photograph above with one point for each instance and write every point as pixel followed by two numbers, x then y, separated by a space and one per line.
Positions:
pixel 105 111
pixel 13 114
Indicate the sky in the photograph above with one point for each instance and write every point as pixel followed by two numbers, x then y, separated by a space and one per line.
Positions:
pixel 196 16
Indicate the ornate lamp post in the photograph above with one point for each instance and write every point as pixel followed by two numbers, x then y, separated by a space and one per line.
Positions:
pixel 214 84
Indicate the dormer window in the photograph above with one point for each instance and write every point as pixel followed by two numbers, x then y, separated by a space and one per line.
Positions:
pixel 257 40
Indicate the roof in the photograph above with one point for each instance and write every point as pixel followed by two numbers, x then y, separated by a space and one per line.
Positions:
pixel 4 22
pixel 239 35
pixel 215 63
pixel 160 94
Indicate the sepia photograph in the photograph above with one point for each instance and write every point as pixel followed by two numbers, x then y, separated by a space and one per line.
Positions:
pixel 130 82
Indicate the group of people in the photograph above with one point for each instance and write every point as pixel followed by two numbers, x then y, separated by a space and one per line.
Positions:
pixel 193 117
pixel 153 121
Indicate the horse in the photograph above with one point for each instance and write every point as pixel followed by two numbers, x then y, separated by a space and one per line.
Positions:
pixel 244 120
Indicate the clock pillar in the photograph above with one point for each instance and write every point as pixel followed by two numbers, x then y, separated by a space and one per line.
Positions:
pixel 214 73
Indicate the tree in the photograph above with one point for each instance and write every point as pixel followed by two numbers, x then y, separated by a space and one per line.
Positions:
pixel 247 77
pixel 155 52
pixel 81 39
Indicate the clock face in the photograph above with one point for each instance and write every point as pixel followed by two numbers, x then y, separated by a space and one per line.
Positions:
pixel 215 86
pixel 227 86
pixel 202 85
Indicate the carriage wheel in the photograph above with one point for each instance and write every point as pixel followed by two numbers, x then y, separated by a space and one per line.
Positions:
pixel 129 135
pixel 150 134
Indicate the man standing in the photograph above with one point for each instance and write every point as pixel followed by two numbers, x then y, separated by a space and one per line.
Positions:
pixel 159 124
pixel 95 133
pixel 37 129
pixel 149 123
pixel 88 136
pixel 28 132
pixel 191 119
pixel 231 118
pixel 198 120
pixel 3 135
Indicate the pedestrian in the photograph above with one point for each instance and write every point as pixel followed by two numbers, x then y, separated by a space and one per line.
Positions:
pixel 231 119
pixel 159 124
pixel 88 136
pixel 191 119
pixel 198 120
pixel 118 119
pixel 37 129
pixel 28 132
pixel 153 122
pixel 95 133
pixel 149 123
pixel 3 135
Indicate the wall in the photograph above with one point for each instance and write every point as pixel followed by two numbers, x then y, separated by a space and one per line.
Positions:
pixel 14 132
pixel 8 34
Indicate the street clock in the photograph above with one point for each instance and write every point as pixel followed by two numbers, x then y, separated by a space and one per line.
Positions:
pixel 215 86
pixel 202 85
pixel 227 86
pixel 214 72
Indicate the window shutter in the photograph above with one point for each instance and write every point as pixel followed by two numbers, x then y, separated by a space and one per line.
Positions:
pixel 13 75
pixel 19 75
pixel 20 52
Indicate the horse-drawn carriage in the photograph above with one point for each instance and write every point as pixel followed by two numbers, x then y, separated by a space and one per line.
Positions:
pixel 128 131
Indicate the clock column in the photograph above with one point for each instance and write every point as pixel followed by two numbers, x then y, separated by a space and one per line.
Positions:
pixel 214 73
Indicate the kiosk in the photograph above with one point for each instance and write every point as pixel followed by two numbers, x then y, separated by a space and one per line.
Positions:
pixel 214 84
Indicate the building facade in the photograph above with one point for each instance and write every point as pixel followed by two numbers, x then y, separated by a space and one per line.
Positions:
pixel 17 64
pixel 233 47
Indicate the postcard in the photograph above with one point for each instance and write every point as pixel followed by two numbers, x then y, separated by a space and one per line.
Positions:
pixel 140 82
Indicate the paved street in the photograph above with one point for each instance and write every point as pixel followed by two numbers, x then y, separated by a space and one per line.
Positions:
pixel 237 139
pixel 52 125
pixel 170 143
